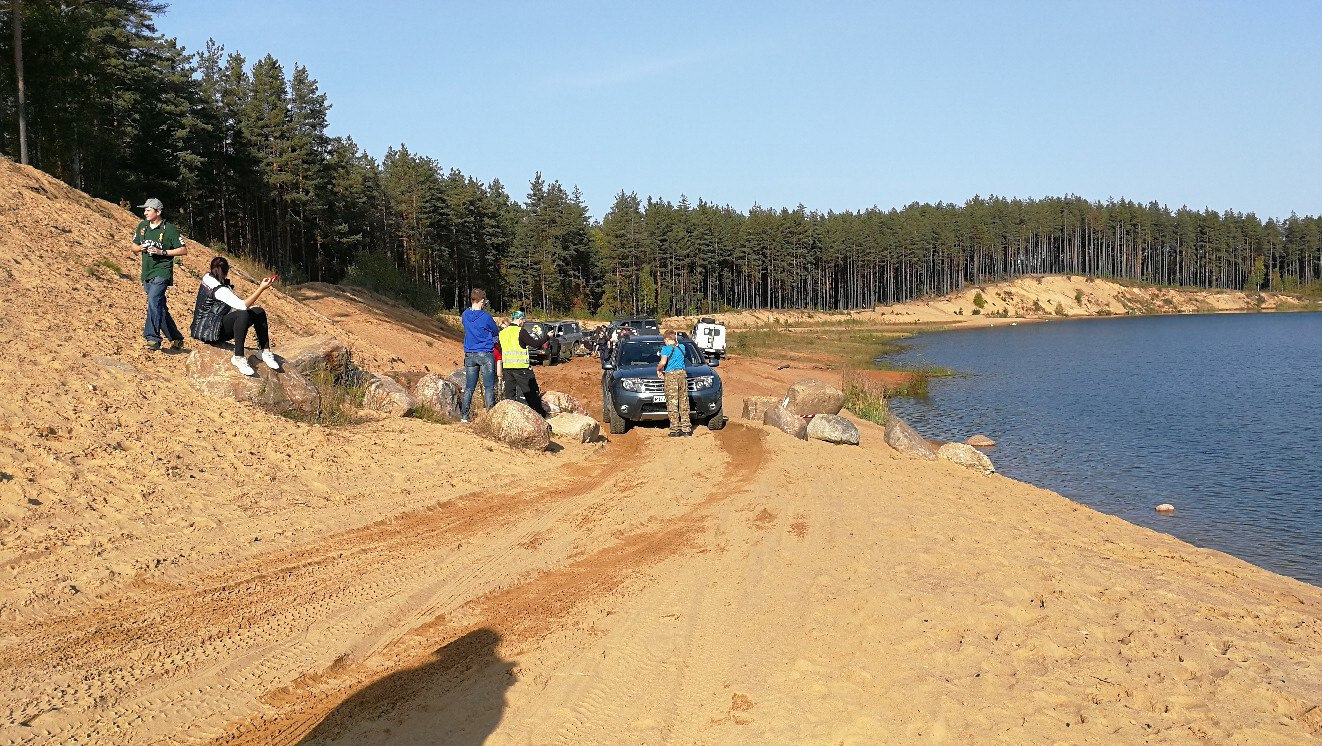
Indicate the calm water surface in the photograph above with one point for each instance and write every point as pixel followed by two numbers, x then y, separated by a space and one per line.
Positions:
pixel 1220 415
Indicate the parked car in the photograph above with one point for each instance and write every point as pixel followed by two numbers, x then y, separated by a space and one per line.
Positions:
pixel 632 390
pixel 639 325
pixel 572 338
pixel 548 352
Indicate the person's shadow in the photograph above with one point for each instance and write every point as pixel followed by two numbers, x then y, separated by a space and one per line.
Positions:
pixel 458 697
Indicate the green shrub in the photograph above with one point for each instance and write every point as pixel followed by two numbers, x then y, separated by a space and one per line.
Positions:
pixel 1060 310
pixel 979 301
pixel 1078 296
pixel 375 271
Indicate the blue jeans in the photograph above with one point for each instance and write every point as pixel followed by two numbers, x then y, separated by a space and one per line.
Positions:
pixel 474 363
pixel 159 321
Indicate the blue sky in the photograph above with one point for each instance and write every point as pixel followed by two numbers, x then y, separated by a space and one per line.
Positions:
pixel 835 105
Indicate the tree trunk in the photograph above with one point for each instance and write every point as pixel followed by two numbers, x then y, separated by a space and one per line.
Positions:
pixel 17 17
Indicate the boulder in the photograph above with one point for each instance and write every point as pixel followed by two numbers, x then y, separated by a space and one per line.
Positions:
pixel 516 424
pixel 384 394
pixel 310 355
pixel 906 440
pixel 210 371
pixel 756 406
pixel 1165 509
pixel 576 427
pixel 833 428
pixel 781 419
pixel 980 441
pixel 456 379
pixel 811 396
pixel 438 393
pixel 557 402
pixel 966 456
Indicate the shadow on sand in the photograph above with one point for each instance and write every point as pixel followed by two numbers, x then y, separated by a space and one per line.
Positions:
pixel 456 698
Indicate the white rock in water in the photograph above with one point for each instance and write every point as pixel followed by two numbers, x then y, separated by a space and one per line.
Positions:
pixel 1166 509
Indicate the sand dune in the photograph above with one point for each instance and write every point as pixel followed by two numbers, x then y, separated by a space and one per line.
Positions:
pixel 183 570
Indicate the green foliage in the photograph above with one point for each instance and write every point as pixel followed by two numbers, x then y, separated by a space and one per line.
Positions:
pixel 376 272
pixel 94 267
pixel 1078 296
pixel 239 152
pixel 427 413
pixel 1060 310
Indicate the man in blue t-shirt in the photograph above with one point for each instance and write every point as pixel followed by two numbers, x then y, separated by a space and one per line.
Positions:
pixel 480 333
pixel 671 368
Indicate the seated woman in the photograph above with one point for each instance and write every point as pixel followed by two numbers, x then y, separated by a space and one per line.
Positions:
pixel 220 315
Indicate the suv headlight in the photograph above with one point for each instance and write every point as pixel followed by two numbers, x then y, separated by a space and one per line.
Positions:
pixel 703 382
pixel 631 384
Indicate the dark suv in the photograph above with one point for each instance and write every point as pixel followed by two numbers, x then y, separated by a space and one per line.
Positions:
pixel 631 390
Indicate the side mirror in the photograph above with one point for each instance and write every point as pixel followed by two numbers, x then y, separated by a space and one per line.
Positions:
pixel 607 365
pixel 715 362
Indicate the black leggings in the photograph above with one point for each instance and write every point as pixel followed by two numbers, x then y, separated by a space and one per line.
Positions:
pixel 235 326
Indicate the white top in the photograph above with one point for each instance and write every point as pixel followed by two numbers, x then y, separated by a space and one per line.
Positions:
pixel 222 292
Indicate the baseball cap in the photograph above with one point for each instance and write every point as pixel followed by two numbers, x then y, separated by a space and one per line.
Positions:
pixel 516 314
pixel 154 204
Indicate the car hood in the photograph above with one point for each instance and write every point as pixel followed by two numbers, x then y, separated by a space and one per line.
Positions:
pixel 649 371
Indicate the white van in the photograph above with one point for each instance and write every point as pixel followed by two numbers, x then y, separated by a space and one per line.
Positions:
pixel 709 336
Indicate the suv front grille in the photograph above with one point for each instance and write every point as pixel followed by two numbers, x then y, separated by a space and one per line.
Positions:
pixel 653 386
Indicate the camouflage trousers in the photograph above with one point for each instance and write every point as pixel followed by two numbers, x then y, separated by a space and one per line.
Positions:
pixel 677 400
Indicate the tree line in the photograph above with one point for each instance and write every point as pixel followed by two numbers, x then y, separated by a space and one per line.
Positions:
pixel 240 153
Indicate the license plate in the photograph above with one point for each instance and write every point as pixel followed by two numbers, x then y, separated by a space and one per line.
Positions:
pixel 658 398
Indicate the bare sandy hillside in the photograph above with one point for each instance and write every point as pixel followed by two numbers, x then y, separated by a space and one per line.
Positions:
pixel 1036 297
pixel 179 569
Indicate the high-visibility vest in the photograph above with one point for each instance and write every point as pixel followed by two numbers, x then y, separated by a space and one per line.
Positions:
pixel 512 353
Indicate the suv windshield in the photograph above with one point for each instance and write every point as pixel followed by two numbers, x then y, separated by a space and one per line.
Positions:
pixel 648 352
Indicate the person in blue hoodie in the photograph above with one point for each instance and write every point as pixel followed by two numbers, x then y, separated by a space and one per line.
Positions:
pixel 480 333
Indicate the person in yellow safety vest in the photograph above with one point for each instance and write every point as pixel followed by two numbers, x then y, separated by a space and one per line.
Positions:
pixel 520 383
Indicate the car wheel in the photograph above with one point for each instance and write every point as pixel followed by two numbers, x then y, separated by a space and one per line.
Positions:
pixel 617 424
pixel 716 421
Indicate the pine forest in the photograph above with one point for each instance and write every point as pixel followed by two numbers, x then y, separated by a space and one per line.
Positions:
pixel 239 152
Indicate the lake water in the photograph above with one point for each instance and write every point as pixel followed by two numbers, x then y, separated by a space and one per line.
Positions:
pixel 1220 415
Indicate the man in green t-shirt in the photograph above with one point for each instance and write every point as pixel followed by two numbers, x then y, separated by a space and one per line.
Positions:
pixel 159 243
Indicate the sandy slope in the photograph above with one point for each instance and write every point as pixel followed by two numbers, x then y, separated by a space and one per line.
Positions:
pixel 1035 297
pixel 412 583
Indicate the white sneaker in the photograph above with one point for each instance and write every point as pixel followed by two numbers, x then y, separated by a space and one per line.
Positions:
pixel 268 357
pixel 242 364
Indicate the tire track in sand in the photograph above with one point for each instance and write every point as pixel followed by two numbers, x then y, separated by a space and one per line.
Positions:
pixel 163 658
pixel 523 614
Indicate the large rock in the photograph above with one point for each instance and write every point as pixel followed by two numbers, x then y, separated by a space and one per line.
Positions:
pixel 756 406
pixel 781 419
pixel 440 394
pixel 210 371
pixel 576 427
pixel 384 394
pixel 811 396
pixel 966 456
pixel 557 402
pixel 833 428
pixel 309 356
pixel 516 424
pixel 906 440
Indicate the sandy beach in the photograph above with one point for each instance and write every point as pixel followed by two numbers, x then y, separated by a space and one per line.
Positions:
pixel 182 569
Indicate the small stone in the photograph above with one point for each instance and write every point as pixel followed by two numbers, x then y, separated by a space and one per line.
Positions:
pixel 1165 509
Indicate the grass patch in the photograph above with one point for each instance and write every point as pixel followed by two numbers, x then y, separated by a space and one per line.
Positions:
pixel 427 413
pixel 865 396
pixel 94 269
pixel 839 346
pixel 339 395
